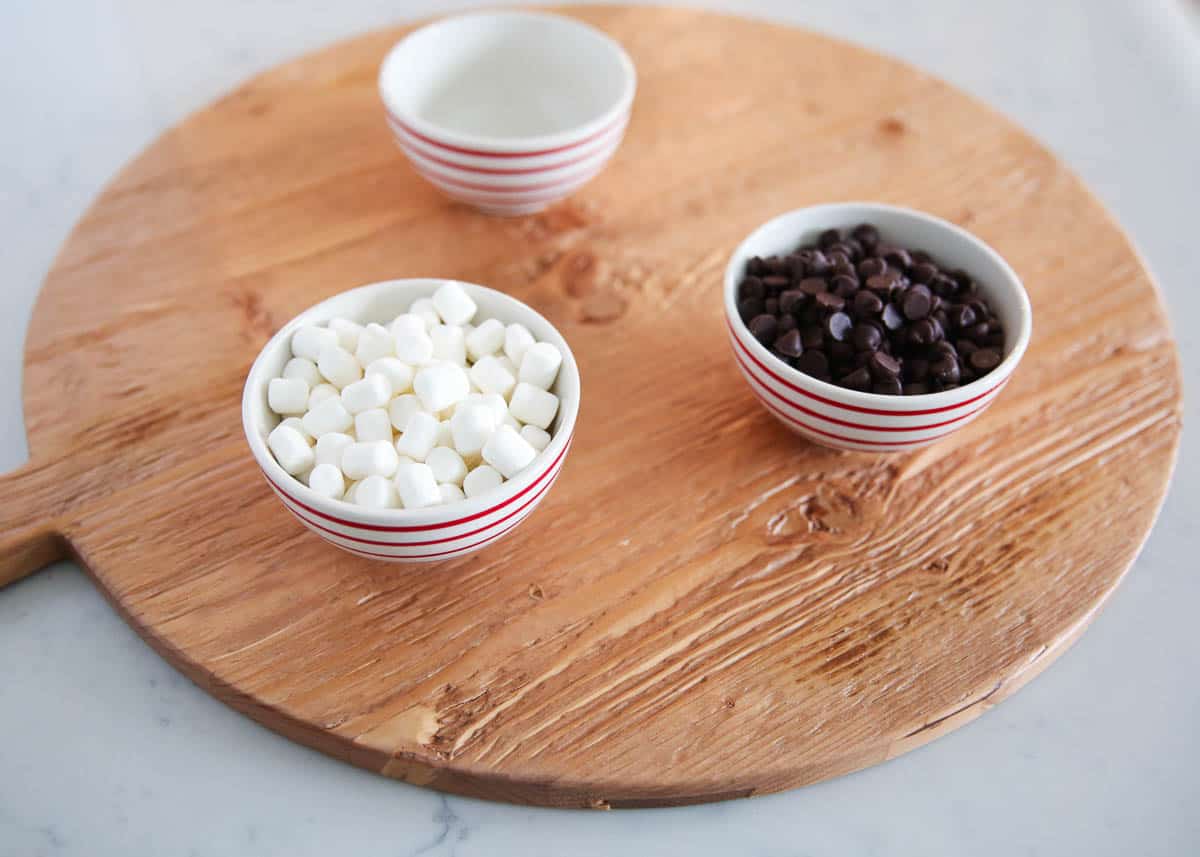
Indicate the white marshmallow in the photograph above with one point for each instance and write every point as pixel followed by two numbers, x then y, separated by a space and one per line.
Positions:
pixel 420 434
pixel 517 338
pixel 401 408
pixel 508 452
pixel 287 395
pixel 441 385
pixel 329 415
pixel 471 427
pixel 424 309
pixel 490 376
pixel 511 421
pixel 351 487
pixel 414 348
pixel 482 480
pixel 532 405
pixel 290 449
pixel 339 366
pixel 298 425
pixel 496 402
pixel 320 393
pixel 445 437
pixel 309 340
pixel 330 448
pixel 451 493
pixel 408 324
pixel 304 369
pixel 453 303
pixel 449 344
pixel 417 487
pixel 376 492
pixel 399 373
pixel 373 391
pixel 328 481
pixel 374 341
pixel 509 367
pixel 404 461
pixel 373 424
pixel 539 366
pixel 535 437
pixel 347 333
pixel 377 458
pixel 486 339
pixel 446 464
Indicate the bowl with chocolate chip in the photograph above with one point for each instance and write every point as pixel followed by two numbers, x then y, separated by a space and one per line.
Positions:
pixel 871 327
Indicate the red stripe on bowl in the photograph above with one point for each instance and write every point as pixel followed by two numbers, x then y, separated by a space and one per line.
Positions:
pixel 557 184
pixel 480 543
pixel 847 423
pixel 841 437
pixel 423 152
pixel 426 542
pixel 380 528
pixel 856 408
pixel 484 153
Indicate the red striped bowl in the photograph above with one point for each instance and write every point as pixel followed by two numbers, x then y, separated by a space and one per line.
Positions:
pixel 411 535
pixel 507 111
pixel 847 419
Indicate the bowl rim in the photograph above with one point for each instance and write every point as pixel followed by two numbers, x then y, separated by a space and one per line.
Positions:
pixel 529 145
pixel 545 461
pixel 878 401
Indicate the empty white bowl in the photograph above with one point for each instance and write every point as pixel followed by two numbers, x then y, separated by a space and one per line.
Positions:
pixel 508 111
pixel 411 535
pixel 848 419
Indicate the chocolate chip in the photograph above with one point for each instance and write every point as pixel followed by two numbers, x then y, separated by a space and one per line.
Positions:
pixel 924 332
pixel 756 266
pixel 945 371
pixel 789 345
pixel 898 257
pixel 776 283
pixel 748 308
pixel 867 337
pixel 916 388
pixel 883 365
pixel 867 303
pixel 859 379
pixel 813 286
pixel 961 315
pixel 866 234
pixel 828 237
pixel 838 326
pixel 917 368
pixel 943 286
pixel 786 323
pixel 887 387
pixel 813 363
pixel 922 272
pixel 792 301
pixel 812 336
pixel 892 319
pixel 917 303
pixel 882 284
pixel 830 301
pixel 764 328
pixel 771 306
pixel 752 287
pixel 872 267
pixel 817 264
pixel 844 285
pixel 965 347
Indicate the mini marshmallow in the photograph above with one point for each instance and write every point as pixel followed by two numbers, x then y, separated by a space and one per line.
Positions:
pixel 449 344
pixel 532 405
pixel 482 480
pixel 309 340
pixel 453 303
pixel 508 452
pixel 471 427
pixel 451 493
pixel 376 492
pixel 401 408
pixel 347 333
pixel 509 367
pixel 287 395
pixel 377 458
pixel 399 373
pixel 517 338
pixel 331 446
pixel 511 421
pixel 424 309
pixel 408 324
pixel 339 366
pixel 535 437
pixel 539 366
pixel 417 487
pixel 373 424
pixel 419 436
pixel 320 393
pixel 328 481
pixel 304 369
pixel 374 341
pixel 373 391
pixel 290 449
pixel 490 376
pixel 298 425
pixel 486 339
pixel 498 405
pixel 329 415
pixel 446 464
pixel 351 487
pixel 441 385
pixel 445 437
pixel 413 347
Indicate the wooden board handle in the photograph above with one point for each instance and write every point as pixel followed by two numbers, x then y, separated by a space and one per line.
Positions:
pixel 31 501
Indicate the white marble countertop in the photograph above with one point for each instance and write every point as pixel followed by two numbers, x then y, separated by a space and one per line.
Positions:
pixel 105 750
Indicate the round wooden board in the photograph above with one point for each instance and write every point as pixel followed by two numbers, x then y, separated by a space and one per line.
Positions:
pixel 705 606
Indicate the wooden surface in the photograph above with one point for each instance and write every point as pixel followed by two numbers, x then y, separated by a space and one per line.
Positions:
pixel 705 606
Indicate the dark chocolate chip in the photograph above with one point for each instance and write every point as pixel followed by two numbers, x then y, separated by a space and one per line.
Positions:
pixel 915 388
pixel 828 237
pixel 830 301
pixel 859 379
pixel 892 319
pixel 887 387
pixel 866 234
pixel 867 337
pixel 867 303
pixel 748 308
pixel 898 257
pixel 812 336
pixel 883 365
pixel 789 345
pixel 872 267
pixel 756 266
pixel 792 300
pixel 776 283
pixel 813 286
pixel 922 272
pixel 917 302
pixel 844 285
pixel 838 326
pixel 752 287
pixel 771 306
pixel 764 328
pixel 813 363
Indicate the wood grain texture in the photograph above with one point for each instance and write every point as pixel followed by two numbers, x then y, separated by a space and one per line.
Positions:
pixel 705 606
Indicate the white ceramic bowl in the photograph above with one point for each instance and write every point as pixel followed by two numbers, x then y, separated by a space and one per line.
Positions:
pixel 847 419
pixel 410 535
pixel 508 111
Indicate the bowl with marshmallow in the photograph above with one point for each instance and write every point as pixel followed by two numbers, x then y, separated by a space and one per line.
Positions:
pixel 412 420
